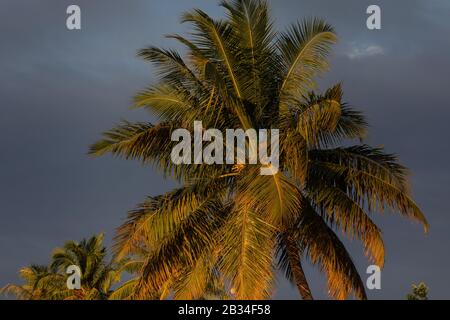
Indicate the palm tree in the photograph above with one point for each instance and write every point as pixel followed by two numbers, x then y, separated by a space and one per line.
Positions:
pixel 97 275
pixel 40 284
pixel 419 292
pixel 228 220
pixel 49 282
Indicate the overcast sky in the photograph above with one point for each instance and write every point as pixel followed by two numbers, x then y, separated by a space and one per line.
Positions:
pixel 60 89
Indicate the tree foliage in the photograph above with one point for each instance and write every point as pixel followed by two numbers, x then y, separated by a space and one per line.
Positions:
pixel 226 223
pixel 419 292
pixel 49 282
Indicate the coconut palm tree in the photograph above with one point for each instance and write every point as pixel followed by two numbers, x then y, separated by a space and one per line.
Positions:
pixel 228 220
pixel 40 284
pixel 90 256
pixel 49 282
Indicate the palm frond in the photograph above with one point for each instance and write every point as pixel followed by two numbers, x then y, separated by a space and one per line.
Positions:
pixel 369 176
pixel 305 48
pixel 125 291
pixel 323 247
pixel 246 257
pixel 214 38
pixel 197 232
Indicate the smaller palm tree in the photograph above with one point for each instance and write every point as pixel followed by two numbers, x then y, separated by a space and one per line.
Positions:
pixel 50 282
pixel 40 284
pixel 89 255
pixel 419 292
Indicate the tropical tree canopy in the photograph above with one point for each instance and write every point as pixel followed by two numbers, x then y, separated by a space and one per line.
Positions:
pixel 50 282
pixel 419 292
pixel 227 222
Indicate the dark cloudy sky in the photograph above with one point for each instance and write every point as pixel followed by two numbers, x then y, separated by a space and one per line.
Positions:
pixel 60 89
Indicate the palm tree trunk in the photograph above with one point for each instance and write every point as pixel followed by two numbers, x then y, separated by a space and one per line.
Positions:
pixel 293 252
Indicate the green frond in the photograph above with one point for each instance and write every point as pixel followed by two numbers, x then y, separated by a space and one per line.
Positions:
pixel 340 210
pixel 246 257
pixel 172 68
pixel 133 140
pixel 294 154
pixel 168 103
pixel 214 39
pixel 196 233
pixel 19 292
pixel 195 55
pixel 255 50
pixel 192 283
pixel 351 123
pixel 125 291
pixel 305 48
pixel 158 217
pixel 274 197
pixel 324 120
pixel 323 247
pixel 371 178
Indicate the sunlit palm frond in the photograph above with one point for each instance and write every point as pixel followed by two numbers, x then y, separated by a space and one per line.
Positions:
pixel 255 50
pixel 339 209
pixel 274 197
pixel 371 178
pixel 125 291
pixel 167 102
pixel 215 40
pixel 192 283
pixel 305 48
pixel 196 233
pixel 246 257
pixel 323 247
pixel 134 140
pixel 172 69
pixel 19 292
pixel 158 217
